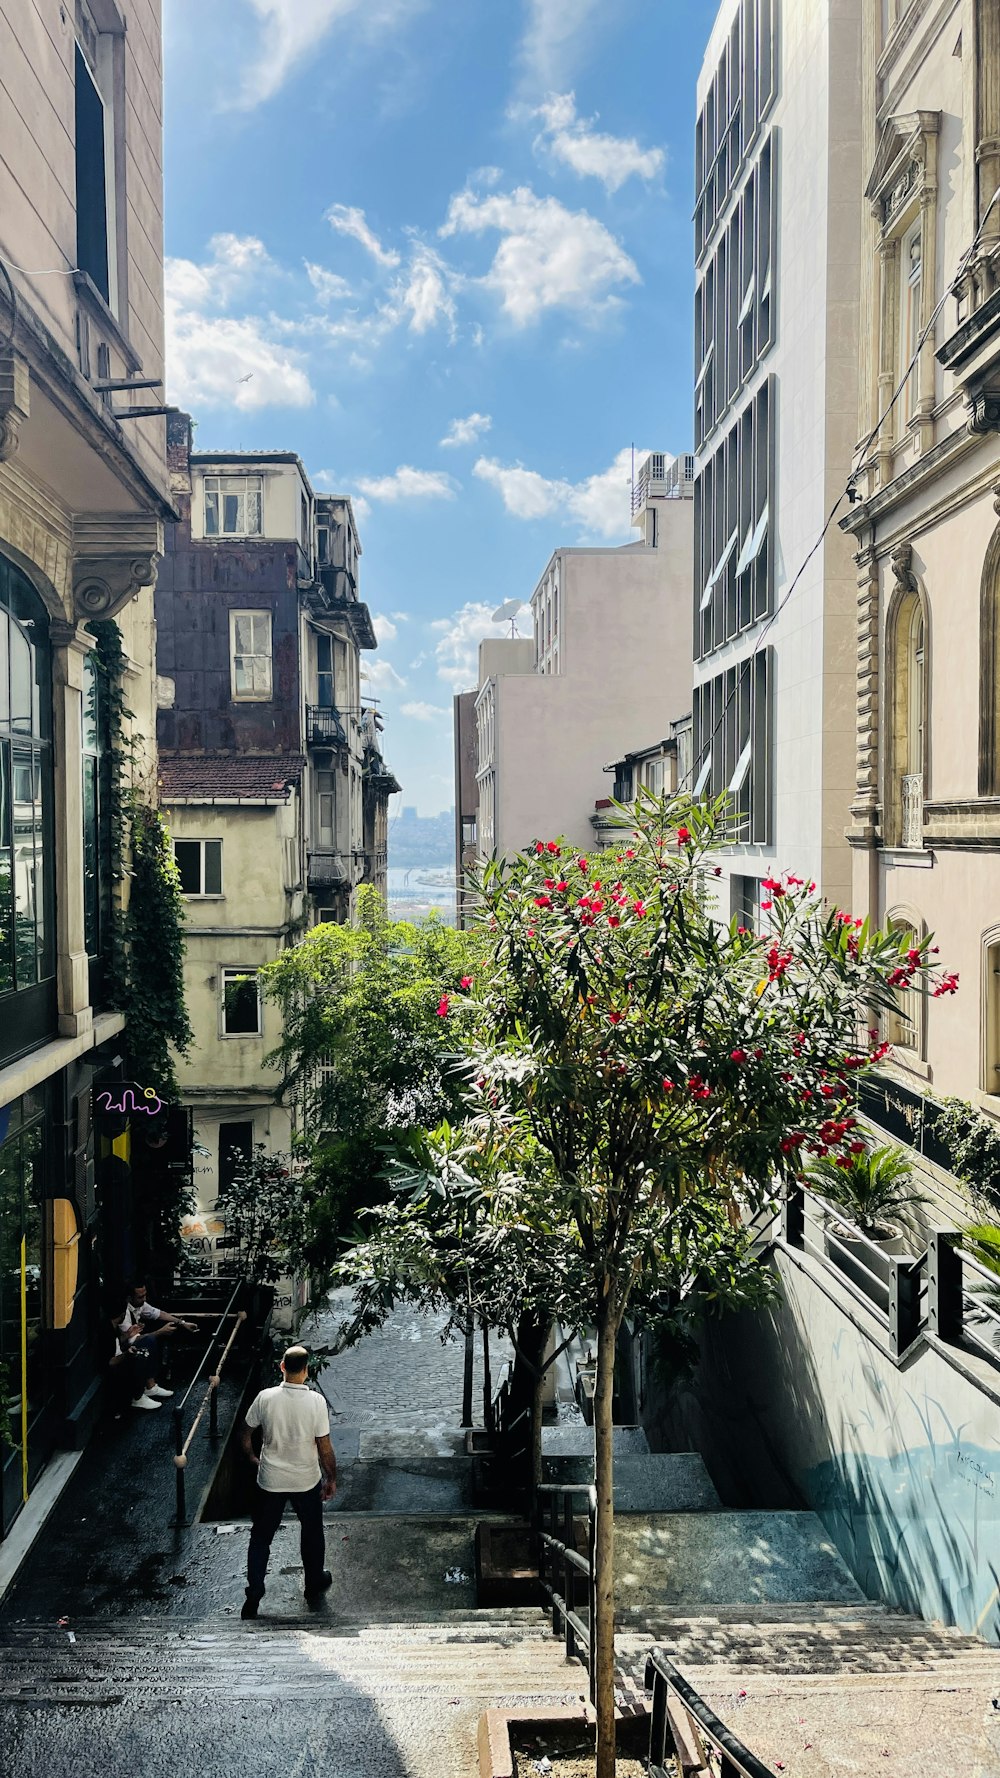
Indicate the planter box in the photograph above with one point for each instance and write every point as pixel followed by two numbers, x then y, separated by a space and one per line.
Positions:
pixel 868 1264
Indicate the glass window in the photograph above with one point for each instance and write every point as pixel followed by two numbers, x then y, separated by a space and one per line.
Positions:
pixel 20 1295
pixel 91 179
pixel 324 672
pixel 27 955
pixel 199 866
pixel 909 333
pixel 240 1003
pixel 234 505
pixel 250 637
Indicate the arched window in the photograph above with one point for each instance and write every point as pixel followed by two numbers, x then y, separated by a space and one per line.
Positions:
pixel 907 753
pixel 903 1024
pixel 989 672
pixel 27 874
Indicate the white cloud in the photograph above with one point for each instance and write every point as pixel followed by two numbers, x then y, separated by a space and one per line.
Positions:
pixel 219 360
pixel 572 140
pixel 409 484
pixel 550 257
pixel 600 504
pixel 347 220
pixel 554 32
pixel 293 29
pixel 425 712
pixel 329 286
pixel 467 431
pixel 384 628
pixel 426 294
pixel 459 636
pixel 381 675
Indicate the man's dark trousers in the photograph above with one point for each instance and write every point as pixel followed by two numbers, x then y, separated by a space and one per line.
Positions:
pixel 267 1511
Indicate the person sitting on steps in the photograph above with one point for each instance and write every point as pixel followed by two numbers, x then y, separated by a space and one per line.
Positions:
pixel 138 1328
pixel 294 1421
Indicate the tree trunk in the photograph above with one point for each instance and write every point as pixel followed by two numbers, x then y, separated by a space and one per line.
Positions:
pixel 470 1358
pixel 603 1628
pixel 487 1380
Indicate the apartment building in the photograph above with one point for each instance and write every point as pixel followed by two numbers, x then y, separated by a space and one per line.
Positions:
pixel 271 768
pixel 777 243
pixel 466 799
pixel 925 816
pixel 608 658
pixel 83 498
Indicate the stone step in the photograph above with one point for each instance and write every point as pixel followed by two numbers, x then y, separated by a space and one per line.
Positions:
pixel 653 1482
pixel 727 1558
pixel 577 1440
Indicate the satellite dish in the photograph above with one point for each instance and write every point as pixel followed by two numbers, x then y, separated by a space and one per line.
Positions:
pixel 508 610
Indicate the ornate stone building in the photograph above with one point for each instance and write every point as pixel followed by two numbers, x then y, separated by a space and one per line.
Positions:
pixel 925 815
pixel 82 503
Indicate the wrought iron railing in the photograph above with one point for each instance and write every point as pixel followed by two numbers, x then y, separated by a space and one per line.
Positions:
pixel 912 813
pixel 685 1734
pixel 560 1565
pixel 324 726
pixel 327 870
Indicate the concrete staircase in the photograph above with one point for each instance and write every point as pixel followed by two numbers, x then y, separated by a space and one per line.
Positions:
pixel 345 1700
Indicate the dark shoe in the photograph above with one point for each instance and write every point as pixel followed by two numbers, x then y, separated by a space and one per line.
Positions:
pixel 315 1594
pixel 249 1606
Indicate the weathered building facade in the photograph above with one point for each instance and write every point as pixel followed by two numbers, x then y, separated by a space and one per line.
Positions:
pixel 271 770
pixel 83 499
pixel 925 816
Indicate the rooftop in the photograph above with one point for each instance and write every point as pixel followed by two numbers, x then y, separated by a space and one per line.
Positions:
pixel 220 777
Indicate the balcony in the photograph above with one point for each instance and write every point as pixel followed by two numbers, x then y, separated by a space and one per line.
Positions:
pixel 324 727
pixel 327 870
pixel 912 823
pixel 662 478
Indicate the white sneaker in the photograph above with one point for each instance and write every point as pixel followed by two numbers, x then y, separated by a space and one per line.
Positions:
pixel 159 1393
pixel 143 1401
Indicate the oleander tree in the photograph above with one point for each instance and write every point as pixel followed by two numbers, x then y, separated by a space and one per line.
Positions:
pixel 673 1068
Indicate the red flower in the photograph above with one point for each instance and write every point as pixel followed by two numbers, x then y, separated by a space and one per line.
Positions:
pixel 857 1148
pixel 444 1006
pixel 613 920
pixel 668 1086
pixel 738 1056
pixel 549 883
pixel 766 906
pixel 550 846
pixel 543 901
pixel 596 907
pixel 630 854
pixel 683 836
pixel 582 864
pixel 640 908
pixel 538 846
pixel 562 886
pixel 717 872
pixel 466 981
pixel 615 1018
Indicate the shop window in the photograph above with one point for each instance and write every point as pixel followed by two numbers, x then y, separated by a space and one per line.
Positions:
pixel 241 1008
pixel 98 864
pixel 21 1321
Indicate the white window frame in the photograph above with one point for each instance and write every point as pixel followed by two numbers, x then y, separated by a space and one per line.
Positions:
pixel 227 971
pixel 754 541
pixel 217 477
pixel 254 696
pixel 718 570
pixel 201 894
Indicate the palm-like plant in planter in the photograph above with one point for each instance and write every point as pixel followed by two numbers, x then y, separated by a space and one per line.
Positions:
pixel 982 1242
pixel 874 1192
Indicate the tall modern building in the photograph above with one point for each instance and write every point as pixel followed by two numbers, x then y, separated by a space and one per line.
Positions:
pixel 608 660
pixel 777 242
pixel 271 769
pixel 83 498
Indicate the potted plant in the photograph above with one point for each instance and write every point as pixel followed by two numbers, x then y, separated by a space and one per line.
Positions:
pixel 981 1241
pixel 873 1192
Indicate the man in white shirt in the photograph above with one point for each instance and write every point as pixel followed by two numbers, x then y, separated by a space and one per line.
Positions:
pixel 296 1463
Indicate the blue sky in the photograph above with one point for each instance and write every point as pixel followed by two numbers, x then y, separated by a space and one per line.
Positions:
pixel 442 249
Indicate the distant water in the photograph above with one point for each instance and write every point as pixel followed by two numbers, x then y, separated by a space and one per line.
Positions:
pixel 418 888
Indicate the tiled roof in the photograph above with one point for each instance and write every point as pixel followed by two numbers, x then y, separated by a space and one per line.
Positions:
pixel 252 777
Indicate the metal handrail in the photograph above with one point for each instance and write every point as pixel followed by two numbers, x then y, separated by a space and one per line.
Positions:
pixel 578 1634
pixel 690 1723
pixel 209 1400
